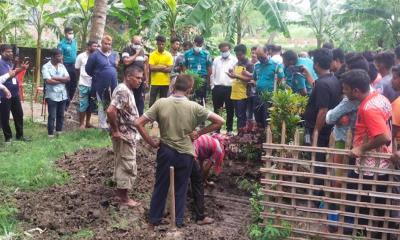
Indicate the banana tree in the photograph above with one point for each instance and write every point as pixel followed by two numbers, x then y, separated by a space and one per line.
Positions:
pixel 378 20
pixel 234 12
pixel 80 19
pixel 10 19
pixel 42 15
pixel 170 16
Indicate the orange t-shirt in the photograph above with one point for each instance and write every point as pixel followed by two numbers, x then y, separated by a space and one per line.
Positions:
pixel 373 119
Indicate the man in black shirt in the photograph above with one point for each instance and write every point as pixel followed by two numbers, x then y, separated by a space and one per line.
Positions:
pixel 134 54
pixel 327 93
pixel 338 66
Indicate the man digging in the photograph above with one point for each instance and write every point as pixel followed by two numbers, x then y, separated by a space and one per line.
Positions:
pixel 121 115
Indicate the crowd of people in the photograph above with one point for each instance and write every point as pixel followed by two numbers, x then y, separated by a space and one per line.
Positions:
pixel 346 91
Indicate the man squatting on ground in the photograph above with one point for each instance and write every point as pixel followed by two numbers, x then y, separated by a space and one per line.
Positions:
pixel 178 118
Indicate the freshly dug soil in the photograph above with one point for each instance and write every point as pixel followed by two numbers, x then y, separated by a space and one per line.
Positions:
pixel 86 203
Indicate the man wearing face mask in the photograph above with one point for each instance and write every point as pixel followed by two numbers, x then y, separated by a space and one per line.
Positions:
pixel 134 54
pixel 69 49
pixel 85 84
pixel 198 60
pixel 267 73
pixel 221 83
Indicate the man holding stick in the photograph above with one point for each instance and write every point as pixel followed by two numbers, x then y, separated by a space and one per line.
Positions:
pixel 177 118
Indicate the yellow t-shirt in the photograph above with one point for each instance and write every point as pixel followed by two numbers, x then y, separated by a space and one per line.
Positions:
pixel 157 58
pixel 239 87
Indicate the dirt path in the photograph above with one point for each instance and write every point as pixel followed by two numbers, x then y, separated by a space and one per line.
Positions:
pixel 85 207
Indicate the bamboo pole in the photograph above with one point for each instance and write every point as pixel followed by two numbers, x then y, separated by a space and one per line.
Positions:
pixel 172 192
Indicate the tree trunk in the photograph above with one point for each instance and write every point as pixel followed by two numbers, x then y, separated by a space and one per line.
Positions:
pixel 37 58
pixel 319 42
pixel 98 20
pixel 239 32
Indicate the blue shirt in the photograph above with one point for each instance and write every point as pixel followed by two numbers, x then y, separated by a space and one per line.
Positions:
pixel 197 62
pixel 11 84
pixel 345 107
pixel 69 50
pixel 264 75
pixel 55 92
pixel 101 67
pixel 298 81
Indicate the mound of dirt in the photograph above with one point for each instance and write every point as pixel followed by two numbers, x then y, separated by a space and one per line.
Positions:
pixel 86 204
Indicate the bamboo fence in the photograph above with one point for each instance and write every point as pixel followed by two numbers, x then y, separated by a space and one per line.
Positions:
pixel 332 205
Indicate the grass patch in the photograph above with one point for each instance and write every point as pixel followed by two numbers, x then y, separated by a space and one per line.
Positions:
pixel 82 234
pixel 30 166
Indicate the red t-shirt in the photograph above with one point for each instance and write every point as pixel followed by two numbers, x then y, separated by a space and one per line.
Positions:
pixel 208 147
pixel 373 118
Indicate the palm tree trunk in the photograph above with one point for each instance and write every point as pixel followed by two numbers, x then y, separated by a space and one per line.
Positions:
pixel 98 20
pixel 239 32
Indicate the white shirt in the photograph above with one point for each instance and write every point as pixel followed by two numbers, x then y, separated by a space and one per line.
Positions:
pixel 219 69
pixel 277 58
pixel 84 78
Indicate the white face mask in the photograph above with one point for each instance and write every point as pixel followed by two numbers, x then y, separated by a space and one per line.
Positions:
pixel 197 49
pixel 225 54
pixel 135 46
pixel 70 36
pixel 140 58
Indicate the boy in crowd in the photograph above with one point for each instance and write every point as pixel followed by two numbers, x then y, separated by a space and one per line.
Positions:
pixel 121 115
pixel 178 118
pixel 327 93
pixel 241 76
pixel 372 133
pixel 55 76
pixel 85 84
pixel 295 73
pixel 161 63
pixel 384 62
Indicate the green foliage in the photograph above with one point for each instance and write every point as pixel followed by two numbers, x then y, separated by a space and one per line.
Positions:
pixel 198 80
pixel 7 220
pixel 286 107
pixel 256 231
pixel 30 165
pixel 235 14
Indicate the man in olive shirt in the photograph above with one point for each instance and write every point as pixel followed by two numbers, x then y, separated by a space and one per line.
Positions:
pixel 177 118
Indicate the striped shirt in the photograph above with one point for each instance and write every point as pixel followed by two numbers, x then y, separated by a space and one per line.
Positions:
pixel 208 147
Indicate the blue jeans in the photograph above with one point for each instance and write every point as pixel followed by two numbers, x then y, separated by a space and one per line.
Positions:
pixel 167 157
pixel 240 111
pixel 56 114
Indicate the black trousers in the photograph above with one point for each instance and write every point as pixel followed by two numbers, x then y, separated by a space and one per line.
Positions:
pixel 222 95
pixel 73 82
pixel 139 98
pixel 197 187
pixel 162 91
pixel 200 95
pixel 167 157
pixel 14 106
